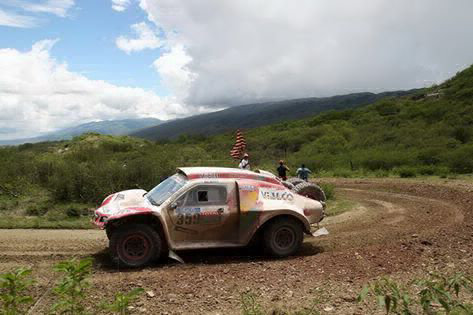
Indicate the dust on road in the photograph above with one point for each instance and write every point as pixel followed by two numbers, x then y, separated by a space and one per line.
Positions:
pixel 401 228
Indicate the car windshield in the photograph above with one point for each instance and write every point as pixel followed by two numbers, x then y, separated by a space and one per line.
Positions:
pixel 166 189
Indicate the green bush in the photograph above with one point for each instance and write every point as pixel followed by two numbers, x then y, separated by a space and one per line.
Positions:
pixel 36 210
pixel 461 161
pixel 435 292
pixel 13 291
pixel 73 212
pixel 406 172
pixel 122 301
pixel 329 190
pixel 72 287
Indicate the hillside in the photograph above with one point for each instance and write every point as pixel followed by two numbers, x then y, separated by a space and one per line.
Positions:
pixel 255 115
pixel 429 132
pixel 106 127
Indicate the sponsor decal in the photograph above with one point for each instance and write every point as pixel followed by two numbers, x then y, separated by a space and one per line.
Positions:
pixel 187 210
pixel 276 195
pixel 240 175
pixel 191 216
pixel 248 188
pixel 209 175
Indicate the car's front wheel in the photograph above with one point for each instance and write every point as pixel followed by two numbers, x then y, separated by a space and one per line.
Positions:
pixel 283 237
pixel 135 245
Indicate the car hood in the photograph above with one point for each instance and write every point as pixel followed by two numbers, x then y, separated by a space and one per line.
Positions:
pixel 125 202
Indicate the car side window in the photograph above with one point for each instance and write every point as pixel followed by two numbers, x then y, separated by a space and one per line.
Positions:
pixel 204 195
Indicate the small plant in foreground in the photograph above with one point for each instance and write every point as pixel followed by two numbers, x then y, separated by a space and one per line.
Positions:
pixel 436 292
pixel 445 291
pixel 249 305
pixel 389 295
pixel 71 288
pixel 12 291
pixel 122 301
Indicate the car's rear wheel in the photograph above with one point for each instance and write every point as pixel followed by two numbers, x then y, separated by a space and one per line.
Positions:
pixel 283 237
pixel 135 245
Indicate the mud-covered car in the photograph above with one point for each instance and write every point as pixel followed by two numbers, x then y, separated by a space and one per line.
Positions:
pixel 201 207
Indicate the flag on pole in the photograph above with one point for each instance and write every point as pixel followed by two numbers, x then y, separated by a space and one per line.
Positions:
pixel 239 147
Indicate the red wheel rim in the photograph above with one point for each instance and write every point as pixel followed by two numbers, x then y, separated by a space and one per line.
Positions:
pixel 135 247
pixel 284 238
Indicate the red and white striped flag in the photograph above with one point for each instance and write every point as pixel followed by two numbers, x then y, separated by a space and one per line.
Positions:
pixel 239 147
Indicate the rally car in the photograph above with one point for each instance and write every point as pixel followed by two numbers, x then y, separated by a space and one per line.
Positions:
pixel 203 207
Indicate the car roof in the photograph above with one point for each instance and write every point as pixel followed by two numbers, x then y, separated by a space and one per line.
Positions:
pixel 225 173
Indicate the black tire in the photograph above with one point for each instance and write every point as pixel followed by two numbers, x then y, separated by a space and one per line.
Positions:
pixel 295 180
pixel 283 237
pixel 288 185
pixel 135 245
pixel 108 231
pixel 310 190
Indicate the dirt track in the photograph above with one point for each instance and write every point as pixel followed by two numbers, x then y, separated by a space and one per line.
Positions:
pixel 401 228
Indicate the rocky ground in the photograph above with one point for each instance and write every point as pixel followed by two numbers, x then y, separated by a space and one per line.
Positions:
pixel 400 228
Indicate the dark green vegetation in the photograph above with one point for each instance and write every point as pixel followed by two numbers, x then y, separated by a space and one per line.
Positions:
pixel 256 115
pixel 429 132
pixel 107 127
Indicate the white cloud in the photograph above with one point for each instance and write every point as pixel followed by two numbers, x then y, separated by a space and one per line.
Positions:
pixel 17 20
pixel 172 68
pixel 146 39
pixel 56 7
pixel 13 19
pixel 245 51
pixel 120 5
pixel 40 94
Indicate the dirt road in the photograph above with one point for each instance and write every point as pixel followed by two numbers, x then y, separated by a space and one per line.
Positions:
pixel 403 228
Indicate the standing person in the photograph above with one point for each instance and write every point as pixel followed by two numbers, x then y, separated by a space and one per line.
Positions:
pixel 282 170
pixel 303 173
pixel 244 163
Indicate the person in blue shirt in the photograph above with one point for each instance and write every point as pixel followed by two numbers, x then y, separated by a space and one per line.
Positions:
pixel 303 172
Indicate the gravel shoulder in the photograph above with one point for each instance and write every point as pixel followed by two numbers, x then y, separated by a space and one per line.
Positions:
pixel 401 228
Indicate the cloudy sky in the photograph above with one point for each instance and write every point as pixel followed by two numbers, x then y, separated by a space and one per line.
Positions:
pixel 65 62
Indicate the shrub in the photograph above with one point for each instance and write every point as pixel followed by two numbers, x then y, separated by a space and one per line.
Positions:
pixel 249 304
pixel 122 301
pixel 13 286
pixel 406 172
pixel 71 288
pixel 435 291
pixel 460 161
pixel 329 190
pixel 36 210
pixel 73 212
pixel 426 169
pixel 389 295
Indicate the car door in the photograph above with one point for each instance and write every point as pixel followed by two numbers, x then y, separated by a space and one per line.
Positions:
pixel 206 213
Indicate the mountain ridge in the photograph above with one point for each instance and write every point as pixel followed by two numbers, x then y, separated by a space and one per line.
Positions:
pixel 110 127
pixel 259 114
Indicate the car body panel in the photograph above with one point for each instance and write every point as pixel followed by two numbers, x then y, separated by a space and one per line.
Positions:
pixel 216 207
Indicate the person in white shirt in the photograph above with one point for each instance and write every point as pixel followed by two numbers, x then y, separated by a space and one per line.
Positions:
pixel 244 163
